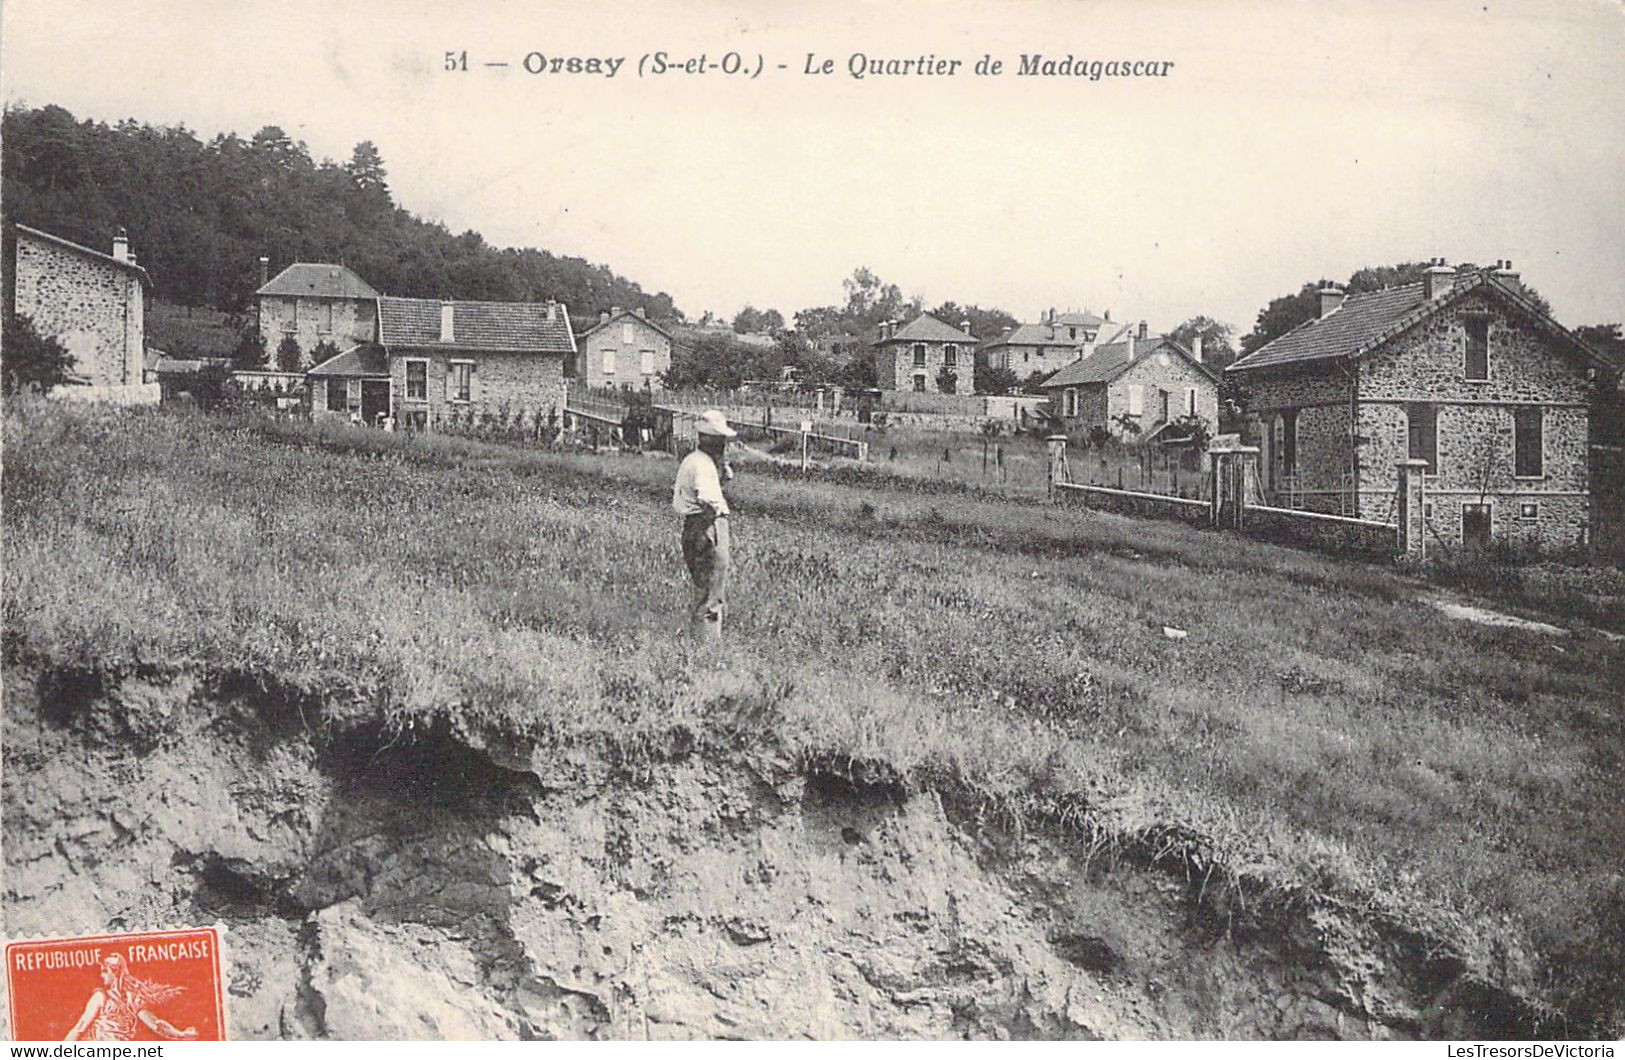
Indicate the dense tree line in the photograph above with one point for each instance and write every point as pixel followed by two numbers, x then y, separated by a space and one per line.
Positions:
pixel 200 213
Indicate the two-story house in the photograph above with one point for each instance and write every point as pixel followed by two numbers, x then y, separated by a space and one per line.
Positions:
pixel 94 304
pixel 1463 372
pixel 924 354
pixel 1134 387
pixel 316 303
pixel 460 363
pixel 623 349
pixel 1057 339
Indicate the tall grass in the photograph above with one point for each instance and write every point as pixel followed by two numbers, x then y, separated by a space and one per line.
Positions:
pixel 1318 724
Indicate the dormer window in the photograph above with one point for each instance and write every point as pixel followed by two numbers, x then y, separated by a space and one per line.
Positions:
pixel 1478 347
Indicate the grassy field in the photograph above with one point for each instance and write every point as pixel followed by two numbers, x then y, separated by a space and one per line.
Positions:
pixel 190 332
pixel 1319 725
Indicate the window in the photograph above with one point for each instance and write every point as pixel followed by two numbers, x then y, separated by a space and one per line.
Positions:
pixel 1071 333
pixel 1162 403
pixel 1422 434
pixel 919 355
pixel 919 384
pixel 1478 347
pixel 1071 401
pixel 608 361
pixel 1026 355
pixel 1528 456
pixel 626 332
pixel 646 362
pixel 1289 441
pixel 291 321
pixel 1190 401
pixel 324 320
pixel 460 381
pixel 1476 525
pixel 335 396
pixel 1529 510
pixel 417 380
pixel 1136 400
pixel 950 355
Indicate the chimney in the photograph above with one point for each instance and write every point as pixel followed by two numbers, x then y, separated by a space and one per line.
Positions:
pixel 265 270
pixel 1005 330
pixel 132 260
pixel 964 325
pixel 643 314
pixel 448 332
pixel 1505 273
pixel 1088 347
pixel 552 310
pixel 1130 345
pixel 1143 331
pixel 121 245
pixel 1330 298
pixel 603 316
pixel 614 311
pixel 1196 346
pixel 1438 280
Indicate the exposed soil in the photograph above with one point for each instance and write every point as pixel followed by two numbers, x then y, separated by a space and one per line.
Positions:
pixel 456 886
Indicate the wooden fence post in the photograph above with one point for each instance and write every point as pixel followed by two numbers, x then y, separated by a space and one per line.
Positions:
pixel 1057 464
pixel 1412 508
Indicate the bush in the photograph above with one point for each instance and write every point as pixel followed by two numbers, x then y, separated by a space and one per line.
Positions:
pixel 289 356
pixel 29 360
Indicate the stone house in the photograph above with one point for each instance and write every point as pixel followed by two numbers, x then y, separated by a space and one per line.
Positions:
pixel 914 356
pixel 453 364
pixel 1135 388
pixel 1463 372
pixel 1056 340
pixel 354 386
pixel 315 303
pixel 93 303
pixel 623 349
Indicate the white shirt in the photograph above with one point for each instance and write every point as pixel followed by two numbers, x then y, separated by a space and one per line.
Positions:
pixel 697 486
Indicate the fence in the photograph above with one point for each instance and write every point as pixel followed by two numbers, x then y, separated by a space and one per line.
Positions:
pixel 1231 504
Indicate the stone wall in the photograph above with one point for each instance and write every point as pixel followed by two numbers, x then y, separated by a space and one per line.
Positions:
pixel 624 341
pixel 312 321
pixel 511 385
pixel 1330 533
pixel 1131 502
pixel 94 308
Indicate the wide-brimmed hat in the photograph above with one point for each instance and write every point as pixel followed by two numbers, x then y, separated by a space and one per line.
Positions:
pixel 714 422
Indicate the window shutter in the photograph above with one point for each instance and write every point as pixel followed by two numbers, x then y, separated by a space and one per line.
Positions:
pixel 451 382
pixel 473 381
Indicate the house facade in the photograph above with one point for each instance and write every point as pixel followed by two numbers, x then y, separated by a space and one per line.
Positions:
pixel 916 356
pixel 94 304
pixel 1135 388
pixel 623 349
pixel 316 303
pixel 1463 372
pixel 1055 341
pixel 456 364
pixel 353 387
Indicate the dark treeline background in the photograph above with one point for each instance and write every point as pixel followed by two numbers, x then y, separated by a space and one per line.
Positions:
pixel 200 213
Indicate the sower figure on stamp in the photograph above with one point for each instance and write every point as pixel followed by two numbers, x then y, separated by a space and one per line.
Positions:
pixel 697 497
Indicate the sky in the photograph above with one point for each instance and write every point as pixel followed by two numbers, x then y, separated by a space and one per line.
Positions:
pixel 1288 142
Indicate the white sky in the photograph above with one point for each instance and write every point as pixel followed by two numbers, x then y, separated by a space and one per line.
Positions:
pixel 1292 141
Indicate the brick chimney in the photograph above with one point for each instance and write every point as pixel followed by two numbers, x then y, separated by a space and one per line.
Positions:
pixel 552 310
pixel 1437 280
pixel 1505 273
pixel 643 314
pixel 1131 345
pixel 121 245
pixel 964 325
pixel 1330 298
pixel 1143 330
pixel 603 316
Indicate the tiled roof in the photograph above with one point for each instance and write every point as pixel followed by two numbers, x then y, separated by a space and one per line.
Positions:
pixel 1343 332
pixel 1365 322
pixel 927 328
pixel 367 359
pixel 521 327
pixel 105 259
pixel 314 280
pixel 1104 364
pixel 625 314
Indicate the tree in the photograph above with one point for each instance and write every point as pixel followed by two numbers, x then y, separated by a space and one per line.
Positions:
pixel 984 323
pixel 947 380
pixel 994 380
pixel 29 360
pixel 288 354
pixel 1607 395
pixel 324 351
pixel 249 355
pixel 1218 340
pixel 1034 383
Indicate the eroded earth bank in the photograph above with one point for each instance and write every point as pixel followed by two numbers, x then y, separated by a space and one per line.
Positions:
pixel 453 885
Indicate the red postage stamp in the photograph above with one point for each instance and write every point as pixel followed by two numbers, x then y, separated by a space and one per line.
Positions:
pixel 155 986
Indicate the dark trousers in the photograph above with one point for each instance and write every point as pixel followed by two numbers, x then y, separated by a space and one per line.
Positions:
pixel 705 551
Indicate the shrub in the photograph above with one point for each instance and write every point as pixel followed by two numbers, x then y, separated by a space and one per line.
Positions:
pixel 29 360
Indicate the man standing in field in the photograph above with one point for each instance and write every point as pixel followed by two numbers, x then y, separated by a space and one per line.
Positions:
pixel 697 497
